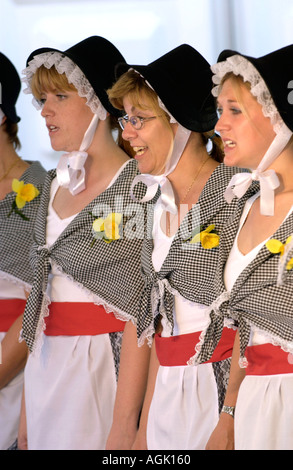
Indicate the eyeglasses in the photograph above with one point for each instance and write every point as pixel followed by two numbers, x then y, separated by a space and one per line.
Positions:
pixel 136 121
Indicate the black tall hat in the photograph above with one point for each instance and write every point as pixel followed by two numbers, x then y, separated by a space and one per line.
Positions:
pixel 10 86
pixel 183 81
pixel 97 58
pixel 276 69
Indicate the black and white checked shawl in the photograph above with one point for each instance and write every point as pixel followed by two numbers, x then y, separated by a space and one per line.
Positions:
pixel 16 234
pixel 256 300
pixel 188 269
pixel 110 271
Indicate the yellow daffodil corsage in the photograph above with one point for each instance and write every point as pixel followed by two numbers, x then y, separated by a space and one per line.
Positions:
pixel 275 246
pixel 24 193
pixel 107 229
pixel 208 238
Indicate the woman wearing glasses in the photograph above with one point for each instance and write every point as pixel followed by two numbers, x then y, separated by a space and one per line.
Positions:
pixel 170 117
pixel 87 268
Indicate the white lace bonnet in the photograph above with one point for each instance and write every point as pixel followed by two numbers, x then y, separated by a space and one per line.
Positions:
pixel 90 66
pixel 74 74
pixel 240 65
pixel 271 94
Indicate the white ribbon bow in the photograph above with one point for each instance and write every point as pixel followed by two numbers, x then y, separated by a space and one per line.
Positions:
pixel 152 182
pixel 268 180
pixel 71 172
pixel 70 169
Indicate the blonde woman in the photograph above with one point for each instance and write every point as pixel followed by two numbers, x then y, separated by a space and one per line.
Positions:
pixel 256 124
pixel 87 268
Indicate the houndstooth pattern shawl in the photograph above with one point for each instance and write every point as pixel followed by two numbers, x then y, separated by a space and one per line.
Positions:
pixel 188 269
pixel 16 234
pixel 110 271
pixel 256 301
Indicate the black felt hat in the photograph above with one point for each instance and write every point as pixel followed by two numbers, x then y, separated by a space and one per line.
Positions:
pixel 183 81
pixel 276 69
pixel 10 86
pixel 97 58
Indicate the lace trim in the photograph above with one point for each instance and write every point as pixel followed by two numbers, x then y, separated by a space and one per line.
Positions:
pixel 95 299
pixel 74 75
pixel 275 340
pixel 239 65
pixel 9 277
pixel 272 339
pixel 213 307
pixel 157 296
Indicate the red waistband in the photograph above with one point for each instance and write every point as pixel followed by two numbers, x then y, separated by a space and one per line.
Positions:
pixel 10 310
pixel 80 318
pixel 177 350
pixel 267 359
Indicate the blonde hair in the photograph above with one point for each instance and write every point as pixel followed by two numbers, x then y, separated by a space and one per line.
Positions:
pixel 237 81
pixel 49 80
pixel 45 79
pixel 133 86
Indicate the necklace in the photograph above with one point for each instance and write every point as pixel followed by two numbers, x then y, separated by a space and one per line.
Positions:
pixel 9 169
pixel 168 218
pixel 194 180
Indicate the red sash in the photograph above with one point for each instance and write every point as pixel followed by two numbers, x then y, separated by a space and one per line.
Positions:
pixel 80 318
pixel 177 350
pixel 267 359
pixel 10 310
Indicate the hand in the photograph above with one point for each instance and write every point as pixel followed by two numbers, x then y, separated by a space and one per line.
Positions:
pixel 222 437
pixel 140 442
pixel 121 439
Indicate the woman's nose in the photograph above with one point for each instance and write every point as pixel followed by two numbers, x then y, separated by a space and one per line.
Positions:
pixel 46 109
pixel 222 123
pixel 128 132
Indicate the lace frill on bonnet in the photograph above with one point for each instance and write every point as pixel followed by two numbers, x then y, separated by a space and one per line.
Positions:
pixel 239 65
pixel 74 76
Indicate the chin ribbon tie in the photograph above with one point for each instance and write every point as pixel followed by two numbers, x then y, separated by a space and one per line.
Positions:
pixel 153 182
pixel 70 169
pixel 268 179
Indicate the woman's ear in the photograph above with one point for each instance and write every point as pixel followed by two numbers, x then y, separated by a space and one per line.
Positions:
pixel 3 120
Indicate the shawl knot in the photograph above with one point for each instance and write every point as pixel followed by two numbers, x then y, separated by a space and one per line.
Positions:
pixel 220 303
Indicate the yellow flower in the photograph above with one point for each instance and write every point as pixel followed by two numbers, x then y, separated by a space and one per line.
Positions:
pixel 275 246
pixel 108 228
pixel 111 226
pixel 289 264
pixel 24 192
pixel 98 225
pixel 207 239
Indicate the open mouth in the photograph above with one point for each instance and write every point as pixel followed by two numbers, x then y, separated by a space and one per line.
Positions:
pixel 52 128
pixel 139 150
pixel 229 143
